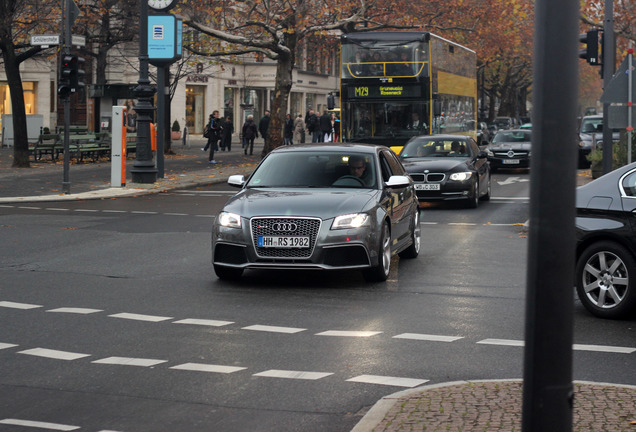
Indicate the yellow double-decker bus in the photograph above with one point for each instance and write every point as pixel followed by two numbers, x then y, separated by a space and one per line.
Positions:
pixel 396 85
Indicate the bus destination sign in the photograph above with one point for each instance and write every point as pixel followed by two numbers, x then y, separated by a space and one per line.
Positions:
pixel 385 90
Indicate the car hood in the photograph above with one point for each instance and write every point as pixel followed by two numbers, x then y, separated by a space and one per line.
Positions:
pixel 510 146
pixel 417 165
pixel 325 204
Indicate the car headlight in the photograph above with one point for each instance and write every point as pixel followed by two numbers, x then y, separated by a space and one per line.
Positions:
pixel 229 220
pixel 355 220
pixel 460 176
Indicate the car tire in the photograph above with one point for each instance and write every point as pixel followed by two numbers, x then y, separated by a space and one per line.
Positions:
pixel 227 273
pixel 486 196
pixel 606 280
pixel 473 200
pixel 380 272
pixel 416 236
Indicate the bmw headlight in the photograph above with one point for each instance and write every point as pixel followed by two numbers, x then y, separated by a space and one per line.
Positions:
pixel 229 220
pixel 461 176
pixel 355 220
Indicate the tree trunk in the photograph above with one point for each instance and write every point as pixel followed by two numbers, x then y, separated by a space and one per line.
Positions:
pixel 20 138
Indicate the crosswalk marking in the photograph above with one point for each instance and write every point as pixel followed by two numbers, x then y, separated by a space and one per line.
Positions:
pixel 6 345
pixel 505 342
pixel 276 373
pixel 388 380
pixel 14 305
pixel 130 361
pixel 428 337
pixel 200 367
pixel 204 322
pixel 37 424
pixel 604 348
pixel 140 317
pixel 344 333
pixel 72 310
pixel 274 329
pixel 54 354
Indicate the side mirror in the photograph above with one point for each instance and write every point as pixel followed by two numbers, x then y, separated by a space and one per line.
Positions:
pixel 398 182
pixel 237 180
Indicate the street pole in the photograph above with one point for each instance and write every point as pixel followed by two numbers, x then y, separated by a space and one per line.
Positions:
pixel 609 67
pixel 66 183
pixel 630 102
pixel 547 380
pixel 161 120
pixel 143 170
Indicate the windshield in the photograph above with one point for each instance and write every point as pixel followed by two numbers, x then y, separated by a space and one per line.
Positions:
pixel 512 137
pixel 384 58
pixel 312 169
pixel 436 148
pixel 591 125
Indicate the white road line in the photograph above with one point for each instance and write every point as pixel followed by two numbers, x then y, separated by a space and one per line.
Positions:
pixel 54 354
pixel 30 208
pixel 144 212
pixel 86 210
pixel 429 223
pixel 510 198
pixel 204 322
pixel 130 361
pixel 6 206
pixel 276 373
pixel 274 329
pixel 387 380
pixel 81 311
pixel 604 348
pixel 462 223
pixel 14 305
pixel 200 367
pixel 175 214
pixel 505 342
pixel 37 424
pixel 344 333
pixel 6 345
pixel 205 216
pixel 428 337
pixel 114 211
pixel 140 317
pixel 56 209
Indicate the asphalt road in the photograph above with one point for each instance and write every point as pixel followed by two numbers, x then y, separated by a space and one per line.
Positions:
pixel 112 320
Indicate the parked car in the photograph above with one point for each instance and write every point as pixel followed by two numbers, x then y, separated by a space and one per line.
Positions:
pixel 606 244
pixel 591 135
pixel 510 149
pixel 319 206
pixel 447 168
pixel 504 122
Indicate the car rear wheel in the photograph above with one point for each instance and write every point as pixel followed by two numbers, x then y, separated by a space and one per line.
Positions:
pixel 605 280
pixel 413 250
pixel 380 272
pixel 227 273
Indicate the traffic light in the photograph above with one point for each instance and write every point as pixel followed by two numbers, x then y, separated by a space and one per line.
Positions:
pixel 67 70
pixel 591 52
pixel 77 79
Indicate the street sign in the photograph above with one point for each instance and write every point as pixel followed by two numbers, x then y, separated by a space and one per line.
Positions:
pixel 618 117
pixel 78 40
pixel 617 89
pixel 164 44
pixel 45 40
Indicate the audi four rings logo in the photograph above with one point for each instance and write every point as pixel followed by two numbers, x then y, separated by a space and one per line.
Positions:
pixel 284 226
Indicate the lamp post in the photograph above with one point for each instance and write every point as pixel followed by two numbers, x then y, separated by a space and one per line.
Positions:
pixel 144 170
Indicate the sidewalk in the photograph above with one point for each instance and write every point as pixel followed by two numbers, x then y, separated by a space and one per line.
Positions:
pixel 458 406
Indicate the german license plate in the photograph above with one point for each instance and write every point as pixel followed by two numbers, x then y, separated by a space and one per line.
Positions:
pixel 283 242
pixel 511 161
pixel 427 186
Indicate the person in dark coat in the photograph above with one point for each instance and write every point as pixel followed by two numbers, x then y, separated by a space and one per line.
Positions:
pixel 263 125
pixel 313 126
pixel 249 133
pixel 325 125
pixel 226 134
pixel 215 135
pixel 289 130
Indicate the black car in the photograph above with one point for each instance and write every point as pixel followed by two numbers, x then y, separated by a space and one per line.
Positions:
pixel 606 244
pixel 447 168
pixel 510 149
pixel 320 207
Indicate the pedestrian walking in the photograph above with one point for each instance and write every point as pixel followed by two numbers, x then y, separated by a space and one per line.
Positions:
pixel 325 127
pixel 226 134
pixel 249 134
pixel 289 130
pixel 263 125
pixel 213 130
pixel 313 126
pixel 299 129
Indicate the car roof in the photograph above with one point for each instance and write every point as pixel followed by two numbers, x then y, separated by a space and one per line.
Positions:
pixel 331 147
pixel 442 136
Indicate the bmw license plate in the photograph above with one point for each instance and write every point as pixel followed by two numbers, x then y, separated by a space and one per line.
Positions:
pixel 427 186
pixel 283 242
pixel 511 161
